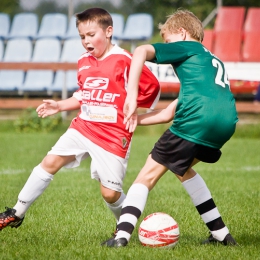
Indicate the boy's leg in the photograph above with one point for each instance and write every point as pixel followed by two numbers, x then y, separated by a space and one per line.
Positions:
pixel 135 201
pixel 36 184
pixel 205 205
pixel 132 209
pixel 109 169
pixel 114 200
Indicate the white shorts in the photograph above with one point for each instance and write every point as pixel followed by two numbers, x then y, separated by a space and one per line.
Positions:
pixel 106 167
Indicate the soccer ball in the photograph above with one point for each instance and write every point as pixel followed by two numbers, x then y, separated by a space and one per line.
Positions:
pixel 159 230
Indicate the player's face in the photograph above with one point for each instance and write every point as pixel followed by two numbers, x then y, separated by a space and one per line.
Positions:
pixel 95 39
pixel 174 37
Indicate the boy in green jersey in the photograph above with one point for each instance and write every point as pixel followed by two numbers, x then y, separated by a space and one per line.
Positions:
pixel 205 118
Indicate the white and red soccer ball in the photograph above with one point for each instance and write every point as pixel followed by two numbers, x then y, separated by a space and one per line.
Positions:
pixel 159 230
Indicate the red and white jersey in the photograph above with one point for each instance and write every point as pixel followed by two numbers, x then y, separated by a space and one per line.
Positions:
pixel 102 92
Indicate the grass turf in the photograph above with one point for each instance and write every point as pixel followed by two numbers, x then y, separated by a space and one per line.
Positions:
pixel 70 219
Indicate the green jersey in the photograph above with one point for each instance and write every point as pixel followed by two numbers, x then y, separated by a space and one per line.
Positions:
pixel 206 112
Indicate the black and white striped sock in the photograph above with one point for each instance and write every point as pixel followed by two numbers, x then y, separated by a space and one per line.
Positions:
pixel 132 209
pixel 202 200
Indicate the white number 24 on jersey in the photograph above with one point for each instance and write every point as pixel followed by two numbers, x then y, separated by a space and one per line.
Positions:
pixel 219 75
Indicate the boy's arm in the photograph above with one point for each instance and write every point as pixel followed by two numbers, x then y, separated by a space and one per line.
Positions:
pixel 50 107
pixel 141 54
pixel 159 116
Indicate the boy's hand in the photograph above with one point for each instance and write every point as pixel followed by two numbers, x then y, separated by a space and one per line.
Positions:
pixel 131 123
pixel 48 108
pixel 129 109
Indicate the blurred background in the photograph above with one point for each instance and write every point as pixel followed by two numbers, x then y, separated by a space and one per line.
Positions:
pixel 159 9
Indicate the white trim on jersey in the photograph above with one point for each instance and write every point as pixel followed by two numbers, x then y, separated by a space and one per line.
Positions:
pixel 155 101
pixel 115 50
pixel 126 79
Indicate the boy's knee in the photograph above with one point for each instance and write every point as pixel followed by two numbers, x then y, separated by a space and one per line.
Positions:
pixel 50 164
pixel 110 196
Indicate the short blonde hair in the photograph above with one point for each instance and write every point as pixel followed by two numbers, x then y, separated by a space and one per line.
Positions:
pixel 186 20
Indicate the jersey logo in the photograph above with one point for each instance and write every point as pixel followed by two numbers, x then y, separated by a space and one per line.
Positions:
pixel 124 142
pixel 96 83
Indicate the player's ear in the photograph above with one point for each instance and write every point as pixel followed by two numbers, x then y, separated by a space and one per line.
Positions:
pixel 183 33
pixel 109 31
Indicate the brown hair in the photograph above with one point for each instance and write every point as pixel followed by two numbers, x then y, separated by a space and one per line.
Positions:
pixel 98 15
pixel 186 20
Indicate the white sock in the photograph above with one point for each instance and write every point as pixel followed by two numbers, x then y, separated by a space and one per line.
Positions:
pixel 197 189
pixel 220 234
pixel 37 182
pixel 117 206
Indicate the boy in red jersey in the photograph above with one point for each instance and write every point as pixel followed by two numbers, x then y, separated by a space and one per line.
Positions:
pixel 205 119
pixel 98 130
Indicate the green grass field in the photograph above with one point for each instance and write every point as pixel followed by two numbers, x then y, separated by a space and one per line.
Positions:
pixel 70 219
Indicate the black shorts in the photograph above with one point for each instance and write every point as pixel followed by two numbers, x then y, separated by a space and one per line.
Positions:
pixel 177 154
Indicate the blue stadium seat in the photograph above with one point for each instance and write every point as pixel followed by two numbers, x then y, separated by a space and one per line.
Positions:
pixel 11 81
pixel 1 49
pixel 72 50
pixel 72 31
pixel 18 50
pixel 47 50
pixel 69 80
pixel 4 26
pixel 53 25
pixel 24 25
pixel 138 27
pixel 118 25
pixel 38 81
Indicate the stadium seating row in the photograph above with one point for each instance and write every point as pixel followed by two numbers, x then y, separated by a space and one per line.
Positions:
pixel 234 39
pixel 235 35
pixel 45 50
pixel 138 26
pixel 24 40
pixel 27 25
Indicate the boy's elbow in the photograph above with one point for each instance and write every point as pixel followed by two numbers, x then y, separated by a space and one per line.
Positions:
pixel 166 119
